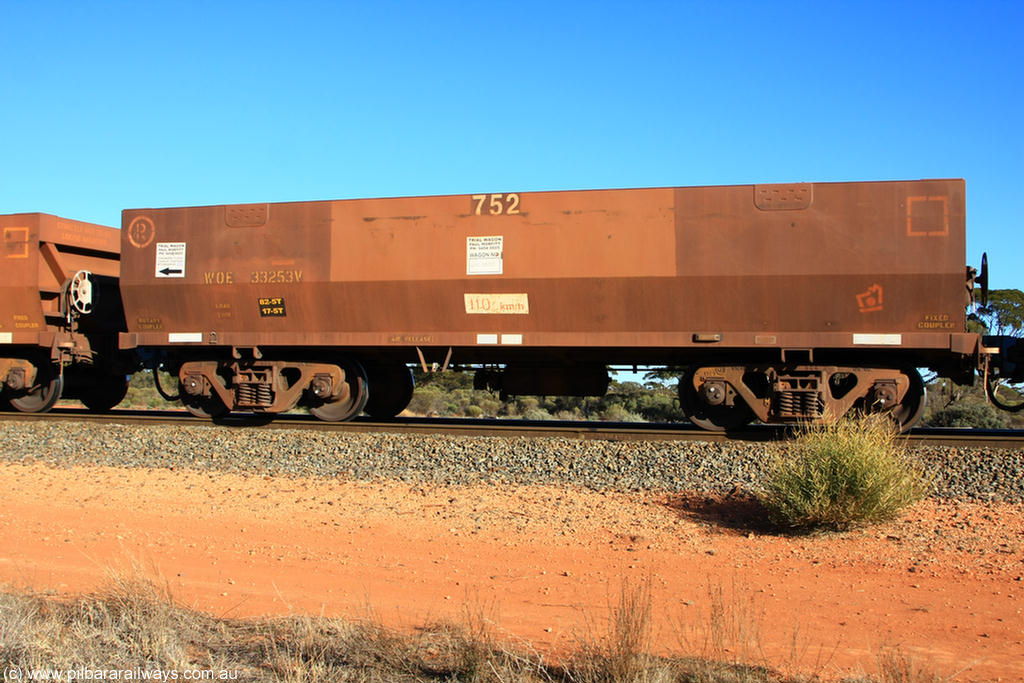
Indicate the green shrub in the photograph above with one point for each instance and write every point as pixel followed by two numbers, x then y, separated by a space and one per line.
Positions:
pixel 848 473
pixel 619 413
pixel 968 414
pixel 536 414
pixel 660 406
pixel 428 400
pixel 489 405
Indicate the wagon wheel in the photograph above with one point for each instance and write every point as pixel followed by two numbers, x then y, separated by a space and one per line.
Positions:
pixel 911 408
pixel 206 407
pixel 351 405
pixel 391 388
pixel 1005 394
pixel 209 407
pixel 105 393
pixel 721 418
pixel 44 395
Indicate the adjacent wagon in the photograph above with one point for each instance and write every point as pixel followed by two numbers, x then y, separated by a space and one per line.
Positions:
pixel 60 313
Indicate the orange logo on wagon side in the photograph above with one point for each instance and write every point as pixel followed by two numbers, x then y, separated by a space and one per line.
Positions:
pixel 871 300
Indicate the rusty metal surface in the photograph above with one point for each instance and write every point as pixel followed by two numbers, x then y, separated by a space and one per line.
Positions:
pixel 863 267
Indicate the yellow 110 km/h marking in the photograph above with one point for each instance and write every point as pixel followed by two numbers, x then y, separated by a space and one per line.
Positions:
pixel 508 304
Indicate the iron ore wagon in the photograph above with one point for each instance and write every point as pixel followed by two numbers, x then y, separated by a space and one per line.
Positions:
pixel 778 302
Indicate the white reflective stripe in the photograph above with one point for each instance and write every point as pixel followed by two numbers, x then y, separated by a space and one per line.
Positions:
pixel 878 339
pixel 511 339
pixel 486 339
pixel 175 337
pixel 6 337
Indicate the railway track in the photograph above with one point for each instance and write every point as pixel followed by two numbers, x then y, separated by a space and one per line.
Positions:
pixel 609 431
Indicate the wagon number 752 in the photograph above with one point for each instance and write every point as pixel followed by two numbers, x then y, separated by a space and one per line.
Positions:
pixel 496 204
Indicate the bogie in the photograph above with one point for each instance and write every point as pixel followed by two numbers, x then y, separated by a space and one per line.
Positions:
pixel 728 397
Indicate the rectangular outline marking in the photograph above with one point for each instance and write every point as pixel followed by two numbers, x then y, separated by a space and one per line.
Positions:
pixel 927 233
pixel 486 339
pixel 8 231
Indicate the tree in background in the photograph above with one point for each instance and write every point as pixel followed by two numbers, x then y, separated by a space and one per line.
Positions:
pixel 951 406
pixel 451 394
pixel 1004 312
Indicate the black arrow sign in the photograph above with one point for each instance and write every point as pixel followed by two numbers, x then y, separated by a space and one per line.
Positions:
pixel 168 271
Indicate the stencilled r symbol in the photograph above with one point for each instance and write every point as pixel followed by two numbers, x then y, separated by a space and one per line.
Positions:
pixel 141 232
pixel 870 300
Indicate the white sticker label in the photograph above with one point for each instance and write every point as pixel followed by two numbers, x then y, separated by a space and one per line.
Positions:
pixel 6 337
pixel 178 337
pixel 878 339
pixel 170 259
pixel 486 339
pixel 484 255
pixel 511 339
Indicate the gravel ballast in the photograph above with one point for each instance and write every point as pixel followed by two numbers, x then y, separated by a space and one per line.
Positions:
pixel 966 473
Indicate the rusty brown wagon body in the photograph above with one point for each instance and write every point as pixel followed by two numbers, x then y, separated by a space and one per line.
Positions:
pixel 60 312
pixel 785 302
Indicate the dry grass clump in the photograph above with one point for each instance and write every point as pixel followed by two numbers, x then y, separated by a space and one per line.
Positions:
pixel 622 653
pixel 896 666
pixel 847 473
pixel 132 624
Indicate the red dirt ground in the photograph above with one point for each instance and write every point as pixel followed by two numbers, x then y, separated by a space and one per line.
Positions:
pixel 944 584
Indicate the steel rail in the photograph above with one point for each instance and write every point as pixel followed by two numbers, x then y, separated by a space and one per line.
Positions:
pixel 608 431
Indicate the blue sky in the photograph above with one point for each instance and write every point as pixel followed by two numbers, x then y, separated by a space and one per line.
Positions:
pixel 105 105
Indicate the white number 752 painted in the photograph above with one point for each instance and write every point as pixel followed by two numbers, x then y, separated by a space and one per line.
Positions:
pixel 497 204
